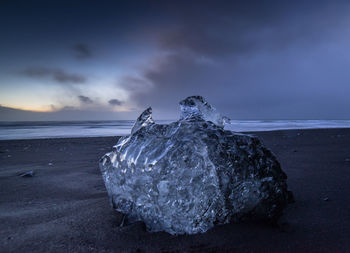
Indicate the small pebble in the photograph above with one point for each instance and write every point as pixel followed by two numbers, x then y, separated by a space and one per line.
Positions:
pixel 50 164
pixel 326 199
pixel 9 155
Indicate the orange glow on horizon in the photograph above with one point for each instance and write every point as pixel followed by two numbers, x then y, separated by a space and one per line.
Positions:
pixel 31 109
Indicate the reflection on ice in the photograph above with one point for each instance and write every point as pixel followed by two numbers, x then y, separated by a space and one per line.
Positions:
pixel 196 107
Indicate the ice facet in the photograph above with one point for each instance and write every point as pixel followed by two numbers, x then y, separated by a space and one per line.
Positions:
pixel 186 176
pixel 196 107
pixel 143 120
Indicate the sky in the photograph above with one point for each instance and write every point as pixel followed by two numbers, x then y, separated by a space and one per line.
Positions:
pixel 110 60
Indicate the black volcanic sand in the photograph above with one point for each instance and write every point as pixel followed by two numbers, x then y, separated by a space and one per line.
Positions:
pixel 64 207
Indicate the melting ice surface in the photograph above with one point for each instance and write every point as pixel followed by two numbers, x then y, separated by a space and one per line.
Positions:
pixel 196 107
pixel 143 120
pixel 188 175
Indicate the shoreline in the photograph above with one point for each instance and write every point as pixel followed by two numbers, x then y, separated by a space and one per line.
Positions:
pixel 64 207
pixel 118 136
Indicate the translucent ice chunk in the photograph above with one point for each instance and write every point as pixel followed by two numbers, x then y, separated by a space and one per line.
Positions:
pixel 226 120
pixel 195 107
pixel 189 175
pixel 143 120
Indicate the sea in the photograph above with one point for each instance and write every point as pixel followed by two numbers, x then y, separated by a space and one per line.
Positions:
pixel 65 129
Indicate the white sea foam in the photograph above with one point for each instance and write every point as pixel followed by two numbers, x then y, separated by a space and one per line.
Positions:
pixel 64 129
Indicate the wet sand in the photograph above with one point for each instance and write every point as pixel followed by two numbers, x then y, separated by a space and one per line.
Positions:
pixel 64 207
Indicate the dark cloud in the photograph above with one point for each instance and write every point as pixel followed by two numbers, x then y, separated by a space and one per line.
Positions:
pixel 226 28
pixel 85 100
pixel 170 79
pixel 68 108
pixel 57 75
pixel 9 114
pixel 115 102
pixel 253 59
pixel 82 51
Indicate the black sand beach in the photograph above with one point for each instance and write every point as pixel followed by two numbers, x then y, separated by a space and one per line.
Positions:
pixel 64 207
